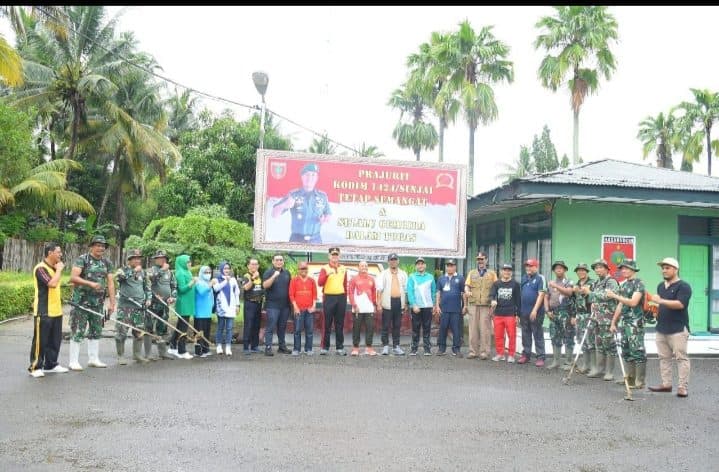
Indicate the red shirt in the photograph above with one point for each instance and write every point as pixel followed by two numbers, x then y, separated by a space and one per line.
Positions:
pixel 303 292
pixel 363 284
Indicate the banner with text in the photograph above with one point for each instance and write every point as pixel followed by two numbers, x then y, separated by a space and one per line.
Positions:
pixel 311 202
pixel 616 249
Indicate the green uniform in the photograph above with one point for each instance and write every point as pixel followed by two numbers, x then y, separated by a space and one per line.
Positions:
pixel 582 308
pixel 95 270
pixel 633 322
pixel 561 329
pixel 136 286
pixel 163 284
pixel 603 311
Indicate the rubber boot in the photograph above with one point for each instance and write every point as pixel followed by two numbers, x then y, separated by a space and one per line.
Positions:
pixel 147 341
pixel 630 369
pixel 586 362
pixel 568 358
pixel 137 350
pixel 162 351
pixel 120 346
pixel 556 354
pixel 74 363
pixel 640 375
pixel 609 371
pixel 598 366
pixel 93 354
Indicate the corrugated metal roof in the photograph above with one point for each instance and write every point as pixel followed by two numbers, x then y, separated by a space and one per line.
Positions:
pixel 615 173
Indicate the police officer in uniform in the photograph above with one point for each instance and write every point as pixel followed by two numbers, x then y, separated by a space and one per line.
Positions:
pixel 308 207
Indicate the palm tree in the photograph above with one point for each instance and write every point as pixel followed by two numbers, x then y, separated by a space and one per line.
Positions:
pixel 477 60
pixel 45 189
pixel 10 64
pixel 580 36
pixel 322 145
pixel 659 133
pixel 181 115
pixel 704 111
pixel 431 74
pixel 522 167
pixel 369 151
pixel 418 134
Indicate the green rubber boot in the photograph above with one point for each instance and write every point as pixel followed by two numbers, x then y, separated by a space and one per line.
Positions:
pixel 609 370
pixel 630 369
pixel 120 347
pixel 556 354
pixel 640 375
pixel 586 362
pixel 137 351
pixel 568 358
pixel 597 366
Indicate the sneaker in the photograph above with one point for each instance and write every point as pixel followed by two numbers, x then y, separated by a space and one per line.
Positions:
pixel 37 373
pixel 370 352
pixel 341 352
pixel 385 351
pixel 355 351
pixel 324 352
pixel 173 352
pixel 427 352
pixel 219 349
pixel 441 353
pixel 295 353
pixel 268 352
pixel 483 356
pixel 523 359
pixel 205 354
pixel 284 350
pixel 185 355
pixel 498 358
pixel 255 350
pixel 539 363
pixel 398 351
pixel 58 369
pixel 228 350
pixel 510 359
pixel 456 354
pixel 413 352
pixel 246 352
pixel 309 353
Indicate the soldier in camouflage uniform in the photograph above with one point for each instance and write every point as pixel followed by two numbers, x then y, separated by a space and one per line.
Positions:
pixel 308 207
pixel 133 284
pixel 603 311
pixel 581 306
pixel 164 287
pixel 630 298
pixel 92 277
pixel 559 306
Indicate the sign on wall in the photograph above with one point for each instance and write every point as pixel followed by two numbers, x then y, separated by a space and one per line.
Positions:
pixel 311 202
pixel 615 249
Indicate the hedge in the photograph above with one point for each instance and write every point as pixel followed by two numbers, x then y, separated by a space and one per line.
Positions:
pixel 18 292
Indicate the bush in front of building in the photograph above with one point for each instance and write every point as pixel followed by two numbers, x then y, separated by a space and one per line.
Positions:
pixel 18 292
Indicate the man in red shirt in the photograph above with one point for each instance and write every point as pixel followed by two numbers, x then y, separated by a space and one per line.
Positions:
pixel 303 293
pixel 363 298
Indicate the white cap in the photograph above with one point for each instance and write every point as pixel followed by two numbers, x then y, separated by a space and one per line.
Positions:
pixel 669 261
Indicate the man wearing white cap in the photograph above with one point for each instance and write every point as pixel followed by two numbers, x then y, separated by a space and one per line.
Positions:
pixel 672 296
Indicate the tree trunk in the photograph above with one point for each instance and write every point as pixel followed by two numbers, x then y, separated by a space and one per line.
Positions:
pixel 108 188
pixel 417 150
pixel 709 150
pixel 470 183
pixel 52 149
pixel 442 125
pixel 75 131
pixel 575 139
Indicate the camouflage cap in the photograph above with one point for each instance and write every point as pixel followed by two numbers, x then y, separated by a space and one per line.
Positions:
pixel 133 253
pixel 99 239
pixel 559 263
pixel 159 254
pixel 600 262
pixel 581 266
pixel 629 263
pixel 310 168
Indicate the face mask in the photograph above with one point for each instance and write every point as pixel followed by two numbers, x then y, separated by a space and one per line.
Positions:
pixel 205 277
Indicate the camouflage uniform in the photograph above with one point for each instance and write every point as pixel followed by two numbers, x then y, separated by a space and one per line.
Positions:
pixel 633 322
pixel 581 306
pixel 95 270
pixel 136 286
pixel 561 330
pixel 163 285
pixel 603 311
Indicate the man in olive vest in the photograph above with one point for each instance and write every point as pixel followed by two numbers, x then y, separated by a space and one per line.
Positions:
pixel 164 287
pixel 477 290
pixel 134 289
pixel 92 276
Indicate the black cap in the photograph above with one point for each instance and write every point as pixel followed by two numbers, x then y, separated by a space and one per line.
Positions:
pixel 451 262
pixel 334 250
pixel 419 259
pixel 507 266
pixel 392 255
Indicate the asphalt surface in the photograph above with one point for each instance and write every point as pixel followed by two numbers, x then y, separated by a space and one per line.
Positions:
pixel 341 413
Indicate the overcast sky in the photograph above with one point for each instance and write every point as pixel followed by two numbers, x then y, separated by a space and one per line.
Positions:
pixel 332 69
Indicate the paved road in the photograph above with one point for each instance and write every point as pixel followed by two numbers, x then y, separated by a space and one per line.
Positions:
pixel 334 413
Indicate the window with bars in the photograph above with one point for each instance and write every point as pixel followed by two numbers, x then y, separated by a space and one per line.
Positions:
pixel 531 237
pixel 490 239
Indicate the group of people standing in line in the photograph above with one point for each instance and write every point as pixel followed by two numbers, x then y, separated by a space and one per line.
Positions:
pixel 591 310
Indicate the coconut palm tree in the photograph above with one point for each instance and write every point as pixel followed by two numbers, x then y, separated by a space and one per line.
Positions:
pixel 702 112
pixel 369 151
pixel 181 115
pixel 522 167
pixel 659 134
pixel 322 145
pixel 417 134
pixel 575 39
pixel 477 60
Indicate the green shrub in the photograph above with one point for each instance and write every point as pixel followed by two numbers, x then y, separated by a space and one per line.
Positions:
pixel 18 293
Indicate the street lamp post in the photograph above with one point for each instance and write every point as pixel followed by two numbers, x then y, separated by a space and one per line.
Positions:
pixel 261 80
